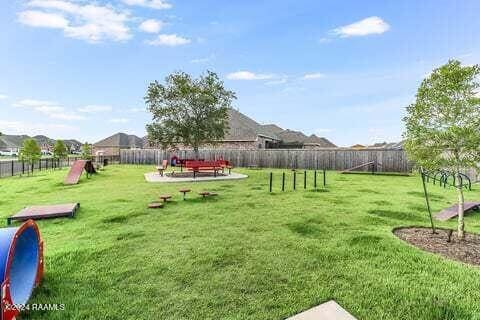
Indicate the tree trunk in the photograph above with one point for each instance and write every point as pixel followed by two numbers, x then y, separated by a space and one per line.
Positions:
pixel 461 222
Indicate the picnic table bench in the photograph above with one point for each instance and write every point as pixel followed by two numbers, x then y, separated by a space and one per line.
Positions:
pixel 199 166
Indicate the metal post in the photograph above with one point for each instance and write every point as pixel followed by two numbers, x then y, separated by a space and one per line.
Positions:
pixel 294 180
pixel 271 178
pixel 428 202
pixel 315 179
pixel 305 179
pixel 23 167
pixel 283 181
pixel 324 178
pixel 13 164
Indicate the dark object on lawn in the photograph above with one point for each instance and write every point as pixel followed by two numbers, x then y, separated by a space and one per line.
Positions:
pixel 452 211
pixel 76 171
pixel 204 194
pixel 45 212
pixel 184 191
pixel 21 266
pixel 165 197
pixel 449 235
pixel 155 205
pixel 105 162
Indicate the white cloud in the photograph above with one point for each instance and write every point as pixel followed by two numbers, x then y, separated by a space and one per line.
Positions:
pixel 151 26
pixel 154 4
pixel 42 19
pixel 33 103
pixel 136 110
pixel 247 75
pixel 3 96
pixel 169 40
pixel 313 76
pixel 95 109
pixel 370 25
pixel 81 20
pixel 118 120
pixel 203 60
pixel 49 108
pixel 51 129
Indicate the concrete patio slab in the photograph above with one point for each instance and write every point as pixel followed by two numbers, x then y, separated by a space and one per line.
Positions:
pixel 326 311
pixel 156 178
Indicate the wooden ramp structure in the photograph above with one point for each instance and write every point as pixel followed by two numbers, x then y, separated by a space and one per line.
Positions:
pixel 45 212
pixel 326 311
pixel 371 165
pixel 452 211
pixel 76 171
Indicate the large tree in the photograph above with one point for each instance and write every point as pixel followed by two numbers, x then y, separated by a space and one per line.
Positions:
pixel 443 124
pixel 30 152
pixel 60 150
pixel 86 151
pixel 187 111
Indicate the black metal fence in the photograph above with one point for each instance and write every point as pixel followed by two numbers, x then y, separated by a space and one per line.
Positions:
pixel 9 168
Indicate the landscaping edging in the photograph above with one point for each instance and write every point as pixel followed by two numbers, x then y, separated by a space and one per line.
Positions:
pixel 467 251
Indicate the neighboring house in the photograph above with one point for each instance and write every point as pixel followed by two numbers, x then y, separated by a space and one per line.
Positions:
pixel 358 146
pixel 243 133
pixel 386 145
pixel 111 146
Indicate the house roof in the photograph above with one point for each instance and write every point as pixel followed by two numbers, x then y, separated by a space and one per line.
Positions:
pixel 291 136
pixel 12 141
pixel 121 140
pixel 244 128
pixel 319 141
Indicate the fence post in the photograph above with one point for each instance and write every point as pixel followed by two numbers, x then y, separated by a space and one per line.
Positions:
pixel 23 167
pixel 283 181
pixel 315 179
pixel 271 178
pixel 12 167
pixel 294 180
pixel 305 179
pixel 324 178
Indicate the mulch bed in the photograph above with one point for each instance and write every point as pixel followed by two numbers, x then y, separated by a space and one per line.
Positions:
pixel 467 251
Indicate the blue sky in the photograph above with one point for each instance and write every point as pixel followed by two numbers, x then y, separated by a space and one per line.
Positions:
pixel 341 69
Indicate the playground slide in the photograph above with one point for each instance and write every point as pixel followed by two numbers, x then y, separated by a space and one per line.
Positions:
pixel 75 172
pixel 21 266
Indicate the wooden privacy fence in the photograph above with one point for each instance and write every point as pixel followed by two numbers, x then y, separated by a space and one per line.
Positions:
pixel 329 159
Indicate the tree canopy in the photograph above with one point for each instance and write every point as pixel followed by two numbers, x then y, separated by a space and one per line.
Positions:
pixel 86 151
pixel 443 124
pixel 60 150
pixel 30 152
pixel 188 111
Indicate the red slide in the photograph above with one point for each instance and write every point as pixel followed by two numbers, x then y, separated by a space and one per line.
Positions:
pixel 75 172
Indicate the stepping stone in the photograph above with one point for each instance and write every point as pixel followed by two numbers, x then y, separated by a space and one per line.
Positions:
pixel 155 205
pixel 452 211
pixel 204 193
pixel 165 197
pixel 184 191
pixel 326 311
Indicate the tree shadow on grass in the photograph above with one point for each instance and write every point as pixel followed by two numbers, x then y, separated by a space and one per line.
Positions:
pixel 422 195
pixel 397 215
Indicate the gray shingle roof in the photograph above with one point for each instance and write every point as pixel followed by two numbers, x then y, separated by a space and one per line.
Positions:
pixel 319 141
pixel 291 136
pixel 243 128
pixel 121 140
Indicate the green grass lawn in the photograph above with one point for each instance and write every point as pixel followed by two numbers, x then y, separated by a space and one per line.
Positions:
pixel 245 254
